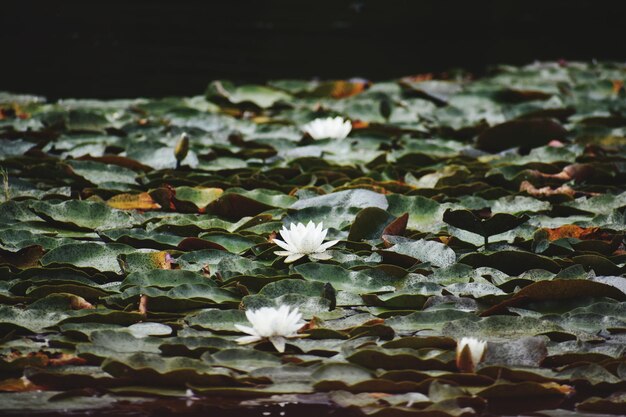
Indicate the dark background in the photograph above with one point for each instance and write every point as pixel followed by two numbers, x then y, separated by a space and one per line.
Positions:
pixel 92 48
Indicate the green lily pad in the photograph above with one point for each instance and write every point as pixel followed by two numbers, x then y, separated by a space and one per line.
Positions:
pixel 257 94
pixel 496 224
pixel 436 253
pixel 89 256
pixel 83 215
pixel 502 327
pixel 361 281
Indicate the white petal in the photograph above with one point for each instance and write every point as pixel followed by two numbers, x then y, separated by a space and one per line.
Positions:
pixel 294 323
pixel 322 256
pixel 283 253
pixel 251 315
pixel 308 241
pixel 322 233
pixel 278 342
pixel 288 237
pixel 247 339
pixel 293 257
pixel 300 228
pixel 246 329
pixel 295 237
pixel 316 237
pixel 327 245
pixel 282 244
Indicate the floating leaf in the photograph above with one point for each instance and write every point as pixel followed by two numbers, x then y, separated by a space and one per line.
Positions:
pixel 522 132
pixel 93 256
pixel 259 95
pixel 83 215
pixel 425 251
pixel 200 197
pixel 141 201
pixel 511 262
pixel 500 326
pixel 496 224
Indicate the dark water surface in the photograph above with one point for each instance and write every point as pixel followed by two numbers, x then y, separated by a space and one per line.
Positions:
pixel 315 406
pixel 120 48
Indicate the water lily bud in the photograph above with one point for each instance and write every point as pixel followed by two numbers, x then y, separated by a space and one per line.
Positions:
pixel 181 149
pixel 331 295
pixel 79 303
pixel 385 108
pixel 469 353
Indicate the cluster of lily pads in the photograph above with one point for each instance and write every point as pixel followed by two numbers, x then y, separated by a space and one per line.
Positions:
pixel 433 245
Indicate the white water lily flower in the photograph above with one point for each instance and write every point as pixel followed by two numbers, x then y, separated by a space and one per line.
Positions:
pixel 274 324
pixel 328 128
pixel 301 240
pixel 469 352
